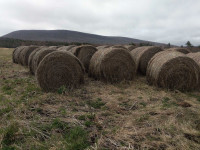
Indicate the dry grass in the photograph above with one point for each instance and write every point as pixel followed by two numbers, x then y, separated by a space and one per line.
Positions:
pixel 97 115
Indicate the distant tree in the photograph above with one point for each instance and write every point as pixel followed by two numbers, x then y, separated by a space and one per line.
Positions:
pixel 181 45
pixel 188 44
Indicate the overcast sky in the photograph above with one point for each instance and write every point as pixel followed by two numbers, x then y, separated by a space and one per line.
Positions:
pixel 174 21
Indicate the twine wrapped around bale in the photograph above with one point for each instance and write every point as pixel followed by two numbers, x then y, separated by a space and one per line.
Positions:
pixel 60 68
pixel 30 59
pixel 178 49
pixel 173 70
pixel 112 65
pixel 84 54
pixel 142 56
pixel 66 48
pixel 16 54
pixel 25 53
pixel 39 55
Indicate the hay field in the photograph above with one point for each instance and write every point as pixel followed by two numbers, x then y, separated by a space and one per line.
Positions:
pixel 95 116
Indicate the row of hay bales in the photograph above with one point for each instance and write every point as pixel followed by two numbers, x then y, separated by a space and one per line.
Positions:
pixel 65 66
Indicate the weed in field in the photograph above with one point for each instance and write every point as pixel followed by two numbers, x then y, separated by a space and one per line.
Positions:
pixel 9 136
pixel 77 139
pixel 167 103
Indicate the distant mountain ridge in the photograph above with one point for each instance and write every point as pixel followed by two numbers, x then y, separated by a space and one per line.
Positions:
pixel 71 36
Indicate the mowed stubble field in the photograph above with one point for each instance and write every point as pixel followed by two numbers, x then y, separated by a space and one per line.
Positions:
pixel 99 116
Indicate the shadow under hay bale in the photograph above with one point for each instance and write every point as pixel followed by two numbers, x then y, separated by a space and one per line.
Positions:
pixel 60 68
pixel 16 54
pixel 25 53
pixel 30 59
pixel 142 56
pixel 112 65
pixel 173 70
pixel 84 54
pixel 39 55
pixel 182 50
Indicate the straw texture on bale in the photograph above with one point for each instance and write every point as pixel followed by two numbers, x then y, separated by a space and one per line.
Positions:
pixel 182 50
pixel 118 46
pixel 142 56
pixel 30 59
pixel 195 57
pixel 173 70
pixel 60 68
pixel 16 54
pixel 66 48
pixel 39 55
pixel 84 54
pixel 25 53
pixel 130 47
pixel 112 65
pixel 102 47
pixel 13 54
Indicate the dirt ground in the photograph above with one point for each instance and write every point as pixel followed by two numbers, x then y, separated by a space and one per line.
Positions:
pixel 97 116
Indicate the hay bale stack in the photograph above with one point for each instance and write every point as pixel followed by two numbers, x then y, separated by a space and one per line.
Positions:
pixel 195 57
pixel 30 59
pixel 142 56
pixel 130 47
pixel 59 68
pixel 25 53
pixel 16 54
pixel 182 50
pixel 112 65
pixel 173 70
pixel 66 48
pixel 84 54
pixel 39 55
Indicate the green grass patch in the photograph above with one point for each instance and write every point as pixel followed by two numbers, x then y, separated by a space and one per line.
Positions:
pixel 97 104
pixel 167 103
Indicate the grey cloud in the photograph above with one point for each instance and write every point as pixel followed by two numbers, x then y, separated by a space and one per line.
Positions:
pixel 155 20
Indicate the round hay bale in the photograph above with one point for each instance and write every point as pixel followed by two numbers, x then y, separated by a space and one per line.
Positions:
pixel 16 54
pixel 182 50
pixel 112 65
pixel 25 53
pixel 142 56
pixel 84 54
pixel 118 46
pixel 195 57
pixel 60 68
pixel 39 55
pixel 130 47
pixel 173 70
pixel 13 54
pixel 30 59
pixel 102 47
pixel 66 48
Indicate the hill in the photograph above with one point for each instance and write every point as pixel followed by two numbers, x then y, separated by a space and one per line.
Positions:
pixel 71 36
